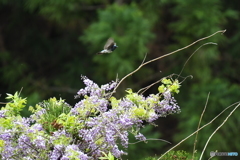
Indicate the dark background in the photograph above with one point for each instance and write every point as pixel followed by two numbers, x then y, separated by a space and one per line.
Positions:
pixel 46 45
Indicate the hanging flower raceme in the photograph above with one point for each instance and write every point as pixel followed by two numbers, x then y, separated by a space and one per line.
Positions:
pixel 91 129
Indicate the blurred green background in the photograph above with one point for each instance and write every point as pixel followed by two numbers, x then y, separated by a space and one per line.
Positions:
pixel 46 45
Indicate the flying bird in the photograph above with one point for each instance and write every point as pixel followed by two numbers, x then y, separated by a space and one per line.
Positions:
pixel 109 46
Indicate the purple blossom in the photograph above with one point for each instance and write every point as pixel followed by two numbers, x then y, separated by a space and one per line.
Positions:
pixel 8 151
pixel 56 153
pixel 109 86
pixel 140 137
pixel 2 113
pixel 22 122
pixel 6 136
pixel 167 106
pixel 93 103
pixel 58 134
pixel 126 104
pixel 152 117
pixel 27 158
pixel 40 142
pixel 125 120
pixel 99 127
pixel 91 88
pixel 110 136
pixel 37 115
pixel 24 142
pixel 65 158
pixel 73 151
pixel 106 126
pixel 37 127
pixel 124 139
pixel 116 152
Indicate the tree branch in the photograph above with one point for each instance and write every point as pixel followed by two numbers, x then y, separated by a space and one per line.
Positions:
pixel 155 59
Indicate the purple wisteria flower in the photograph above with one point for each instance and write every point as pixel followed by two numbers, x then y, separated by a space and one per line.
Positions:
pixel 93 89
pixel 112 125
pixel 6 135
pixel 140 137
pixel 73 151
pixel 167 106
pixel 57 152
pixel 95 126
pixel 2 113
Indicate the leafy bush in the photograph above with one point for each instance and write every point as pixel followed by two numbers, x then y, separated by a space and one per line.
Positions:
pixel 92 129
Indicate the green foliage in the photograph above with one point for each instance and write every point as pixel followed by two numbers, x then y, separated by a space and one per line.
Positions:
pixel 108 156
pixel 145 108
pixel 12 110
pixel 196 20
pixel 1 145
pixel 203 17
pixel 230 58
pixel 130 29
pixel 61 11
pixel 11 73
pixel 54 125
pixel 176 155
pixel 15 105
pixel 54 109
pixel 13 122
pixel 151 158
pixel 169 84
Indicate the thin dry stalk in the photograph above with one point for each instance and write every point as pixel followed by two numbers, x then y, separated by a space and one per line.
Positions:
pixel 146 88
pixel 155 59
pixel 199 123
pixel 194 53
pixel 218 129
pixel 199 129
pixel 151 139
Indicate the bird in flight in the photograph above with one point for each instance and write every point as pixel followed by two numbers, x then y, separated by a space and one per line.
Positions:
pixel 109 46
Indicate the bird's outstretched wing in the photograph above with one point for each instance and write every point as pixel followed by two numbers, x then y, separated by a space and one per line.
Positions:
pixel 109 44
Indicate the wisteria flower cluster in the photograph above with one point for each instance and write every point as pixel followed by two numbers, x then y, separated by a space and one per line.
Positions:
pixel 94 128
